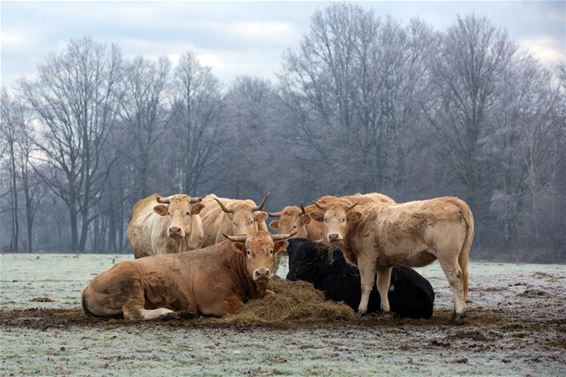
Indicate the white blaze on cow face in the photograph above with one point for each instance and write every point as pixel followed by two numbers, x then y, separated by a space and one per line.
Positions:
pixel 179 215
pixel 336 218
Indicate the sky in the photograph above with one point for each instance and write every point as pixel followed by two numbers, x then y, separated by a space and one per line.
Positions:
pixel 239 38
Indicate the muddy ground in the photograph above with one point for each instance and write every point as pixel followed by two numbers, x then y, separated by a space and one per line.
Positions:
pixel 516 325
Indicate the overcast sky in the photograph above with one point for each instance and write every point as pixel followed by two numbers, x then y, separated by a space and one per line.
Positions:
pixel 239 38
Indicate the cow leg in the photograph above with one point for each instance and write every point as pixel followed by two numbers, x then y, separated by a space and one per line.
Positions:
pixel 367 276
pixel 134 308
pixel 144 314
pixel 455 277
pixel 383 281
pixel 230 305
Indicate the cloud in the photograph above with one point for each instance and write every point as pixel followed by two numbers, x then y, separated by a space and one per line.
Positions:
pixel 544 49
pixel 11 39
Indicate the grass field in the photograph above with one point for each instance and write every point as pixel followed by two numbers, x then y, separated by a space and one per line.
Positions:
pixel 516 326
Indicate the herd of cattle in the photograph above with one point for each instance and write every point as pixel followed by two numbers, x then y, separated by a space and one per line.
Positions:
pixel 210 255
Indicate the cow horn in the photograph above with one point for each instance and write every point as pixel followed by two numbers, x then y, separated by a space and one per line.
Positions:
pixel 319 206
pixel 262 203
pixel 240 238
pixel 163 201
pixel 223 207
pixel 275 214
pixel 196 200
pixel 303 209
pixel 352 206
pixel 279 237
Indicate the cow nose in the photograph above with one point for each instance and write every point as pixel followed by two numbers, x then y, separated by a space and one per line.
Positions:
pixel 262 273
pixel 174 231
pixel 333 237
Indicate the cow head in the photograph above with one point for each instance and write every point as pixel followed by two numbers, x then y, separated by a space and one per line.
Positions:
pixel 243 218
pixel 260 251
pixel 291 219
pixel 178 211
pixel 336 217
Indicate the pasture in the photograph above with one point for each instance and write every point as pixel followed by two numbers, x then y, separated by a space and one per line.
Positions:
pixel 516 325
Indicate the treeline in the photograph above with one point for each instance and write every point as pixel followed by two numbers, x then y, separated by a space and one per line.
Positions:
pixel 362 104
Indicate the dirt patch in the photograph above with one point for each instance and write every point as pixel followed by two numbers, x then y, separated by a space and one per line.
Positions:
pixel 534 293
pixel 42 299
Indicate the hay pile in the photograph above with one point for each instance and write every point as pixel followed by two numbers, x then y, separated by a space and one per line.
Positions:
pixel 295 302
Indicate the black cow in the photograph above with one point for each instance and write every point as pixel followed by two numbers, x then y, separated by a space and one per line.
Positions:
pixel 410 294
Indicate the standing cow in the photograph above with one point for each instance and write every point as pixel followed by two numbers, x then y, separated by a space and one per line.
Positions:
pixel 215 281
pixel 377 237
pixel 295 219
pixel 410 294
pixel 165 225
pixel 230 216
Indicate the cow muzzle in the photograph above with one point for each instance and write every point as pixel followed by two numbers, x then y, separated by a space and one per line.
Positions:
pixel 334 237
pixel 175 232
pixel 262 274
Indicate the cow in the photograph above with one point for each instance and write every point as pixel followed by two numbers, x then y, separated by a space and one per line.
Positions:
pixel 295 219
pixel 410 294
pixel 214 281
pixel 232 217
pixel 376 237
pixel 165 225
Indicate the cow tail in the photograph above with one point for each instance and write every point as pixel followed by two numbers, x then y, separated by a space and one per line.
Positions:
pixel 463 258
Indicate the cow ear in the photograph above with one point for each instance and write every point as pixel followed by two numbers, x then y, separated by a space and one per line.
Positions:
pixel 305 219
pixel 274 225
pixel 317 216
pixel 160 209
pixel 354 216
pixel 261 216
pixel 196 208
pixel 280 246
pixel 239 247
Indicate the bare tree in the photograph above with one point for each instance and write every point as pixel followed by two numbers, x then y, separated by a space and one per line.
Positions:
pixel 75 100
pixel 142 112
pixel 472 57
pixel 11 130
pixel 195 124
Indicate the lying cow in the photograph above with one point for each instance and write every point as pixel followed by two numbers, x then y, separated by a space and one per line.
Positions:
pixel 215 281
pixel 165 225
pixel 230 216
pixel 376 237
pixel 295 219
pixel 410 294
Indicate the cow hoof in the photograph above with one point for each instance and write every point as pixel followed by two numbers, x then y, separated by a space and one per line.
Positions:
pixel 457 318
pixel 170 316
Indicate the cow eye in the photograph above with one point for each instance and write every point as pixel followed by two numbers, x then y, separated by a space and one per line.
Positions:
pixel 271 252
pixel 343 220
pixel 251 221
pixel 249 253
pixel 294 227
pixel 167 212
pixel 188 213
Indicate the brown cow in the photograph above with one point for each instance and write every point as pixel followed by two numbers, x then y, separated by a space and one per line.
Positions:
pixel 165 225
pixel 295 219
pixel 377 237
pixel 230 216
pixel 216 280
